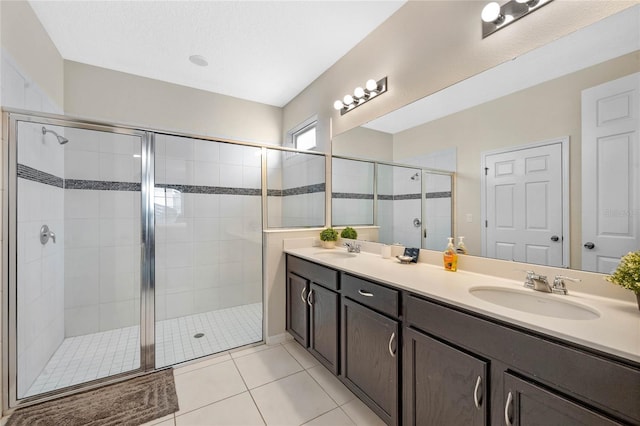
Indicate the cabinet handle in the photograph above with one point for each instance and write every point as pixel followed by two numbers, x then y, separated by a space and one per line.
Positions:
pixel 393 336
pixel 303 296
pixel 507 420
pixel 365 293
pixel 309 300
pixel 476 399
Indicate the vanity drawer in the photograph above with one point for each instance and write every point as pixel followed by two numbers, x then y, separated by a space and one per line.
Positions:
pixel 374 295
pixel 318 274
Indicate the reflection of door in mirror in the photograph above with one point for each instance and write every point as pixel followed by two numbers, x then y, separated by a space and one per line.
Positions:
pixel 610 172
pixel 522 197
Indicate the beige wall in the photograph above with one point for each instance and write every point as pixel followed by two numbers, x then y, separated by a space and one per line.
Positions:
pixel 429 45
pixel 547 111
pixel 119 97
pixel 24 38
pixel 377 145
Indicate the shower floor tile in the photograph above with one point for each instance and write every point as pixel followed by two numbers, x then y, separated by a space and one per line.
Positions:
pixel 93 356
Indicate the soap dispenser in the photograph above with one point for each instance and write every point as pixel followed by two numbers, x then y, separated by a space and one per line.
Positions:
pixel 450 257
pixel 461 248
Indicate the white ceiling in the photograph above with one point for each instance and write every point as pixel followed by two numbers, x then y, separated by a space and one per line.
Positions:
pixel 264 51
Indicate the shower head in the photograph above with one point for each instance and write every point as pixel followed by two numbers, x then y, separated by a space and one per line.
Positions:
pixel 61 139
pixel 416 176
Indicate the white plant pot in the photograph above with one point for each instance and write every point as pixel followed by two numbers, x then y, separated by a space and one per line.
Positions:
pixel 328 244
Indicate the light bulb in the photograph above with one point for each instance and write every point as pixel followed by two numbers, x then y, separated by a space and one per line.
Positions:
pixel 371 85
pixel 338 105
pixel 359 92
pixel 348 100
pixel 491 12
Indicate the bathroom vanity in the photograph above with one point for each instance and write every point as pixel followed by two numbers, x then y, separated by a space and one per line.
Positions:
pixel 419 348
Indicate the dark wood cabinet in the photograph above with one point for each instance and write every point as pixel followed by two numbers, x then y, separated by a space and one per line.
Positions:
pixel 323 326
pixel 417 361
pixel 526 403
pixel 370 358
pixel 297 312
pixel 442 385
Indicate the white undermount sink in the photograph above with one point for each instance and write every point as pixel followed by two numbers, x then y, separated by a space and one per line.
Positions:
pixel 548 305
pixel 334 254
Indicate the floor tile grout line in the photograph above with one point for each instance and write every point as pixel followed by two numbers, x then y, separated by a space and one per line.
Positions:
pixel 264 421
pixel 326 391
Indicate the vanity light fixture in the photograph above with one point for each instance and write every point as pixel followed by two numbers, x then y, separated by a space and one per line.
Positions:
pixel 495 17
pixel 361 95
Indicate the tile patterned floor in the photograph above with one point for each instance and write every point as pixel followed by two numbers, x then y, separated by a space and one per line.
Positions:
pixel 93 356
pixel 278 384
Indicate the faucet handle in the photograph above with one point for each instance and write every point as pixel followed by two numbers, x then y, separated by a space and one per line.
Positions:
pixel 559 286
pixel 529 279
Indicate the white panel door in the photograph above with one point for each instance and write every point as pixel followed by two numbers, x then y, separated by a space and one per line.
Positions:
pixel 524 208
pixel 610 177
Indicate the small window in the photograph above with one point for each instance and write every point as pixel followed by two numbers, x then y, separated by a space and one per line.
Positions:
pixel 305 139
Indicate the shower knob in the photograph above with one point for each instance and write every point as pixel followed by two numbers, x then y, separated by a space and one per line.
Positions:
pixel 45 234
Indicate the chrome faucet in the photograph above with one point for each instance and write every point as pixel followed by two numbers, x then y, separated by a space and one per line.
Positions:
pixel 539 282
pixel 558 284
pixel 352 247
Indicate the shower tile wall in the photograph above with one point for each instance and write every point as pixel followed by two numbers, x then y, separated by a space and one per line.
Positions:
pixel 102 245
pixel 352 187
pixel 303 186
pixel 385 203
pixel 41 269
pixel 40 298
pixel 438 210
pixel 208 226
pixel 407 206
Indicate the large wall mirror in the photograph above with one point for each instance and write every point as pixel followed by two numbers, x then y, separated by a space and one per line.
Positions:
pixel 545 149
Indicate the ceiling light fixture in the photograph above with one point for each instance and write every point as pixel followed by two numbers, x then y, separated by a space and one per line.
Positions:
pixel 361 96
pixel 198 60
pixel 495 17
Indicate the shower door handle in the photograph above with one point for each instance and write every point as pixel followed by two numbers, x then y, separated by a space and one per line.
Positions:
pixel 417 222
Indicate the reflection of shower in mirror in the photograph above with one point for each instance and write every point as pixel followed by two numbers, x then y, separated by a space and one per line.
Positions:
pixel 415 176
pixel 61 139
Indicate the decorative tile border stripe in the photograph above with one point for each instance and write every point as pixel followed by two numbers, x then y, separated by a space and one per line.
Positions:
pixel 35 175
pixel 201 189
pixel 101 185
pixel 444 194
pixel 352 196
pixel 407 197
pixel 308 189
pixel 382 197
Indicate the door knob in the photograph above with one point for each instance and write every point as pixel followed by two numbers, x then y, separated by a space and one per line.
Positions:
pixel 589 245
pixel 555 238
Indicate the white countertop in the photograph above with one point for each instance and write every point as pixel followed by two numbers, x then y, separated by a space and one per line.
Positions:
pixel 616 331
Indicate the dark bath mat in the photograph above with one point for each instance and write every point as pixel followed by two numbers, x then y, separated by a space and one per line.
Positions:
pixel 132 402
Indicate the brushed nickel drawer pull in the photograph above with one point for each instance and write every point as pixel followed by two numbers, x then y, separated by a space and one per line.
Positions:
pixel 507 420
pixel 365 293
pixel 309 300
pixel 303 295
pixel 393 336
pixel 476 399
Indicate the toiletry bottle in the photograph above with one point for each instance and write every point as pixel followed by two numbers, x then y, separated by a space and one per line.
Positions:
pixel 461 249
pixel 450 257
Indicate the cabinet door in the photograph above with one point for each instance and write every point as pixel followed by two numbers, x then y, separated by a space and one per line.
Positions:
pixel 297 312
pixel 323 327
pixel 528 404
pixel 370 361
pixel 442 385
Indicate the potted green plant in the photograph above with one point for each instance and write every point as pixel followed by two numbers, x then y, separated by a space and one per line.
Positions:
pixel 328 238
pixel 349 233
pixel 627 274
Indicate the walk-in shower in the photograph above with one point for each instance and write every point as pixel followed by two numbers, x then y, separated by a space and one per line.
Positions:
pixel 127 251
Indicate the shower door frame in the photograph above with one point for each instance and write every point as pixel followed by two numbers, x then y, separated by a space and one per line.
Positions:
pixel 10 119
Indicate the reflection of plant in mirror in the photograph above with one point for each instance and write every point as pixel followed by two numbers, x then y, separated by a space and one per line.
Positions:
pixel 349 233
pixel 627 274
pixel 329 234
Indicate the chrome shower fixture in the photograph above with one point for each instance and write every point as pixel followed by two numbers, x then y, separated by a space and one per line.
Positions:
pixel 61 139
pixel 416 176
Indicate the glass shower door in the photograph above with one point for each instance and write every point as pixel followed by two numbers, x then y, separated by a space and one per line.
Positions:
pixel 77 287
pixel 208 251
